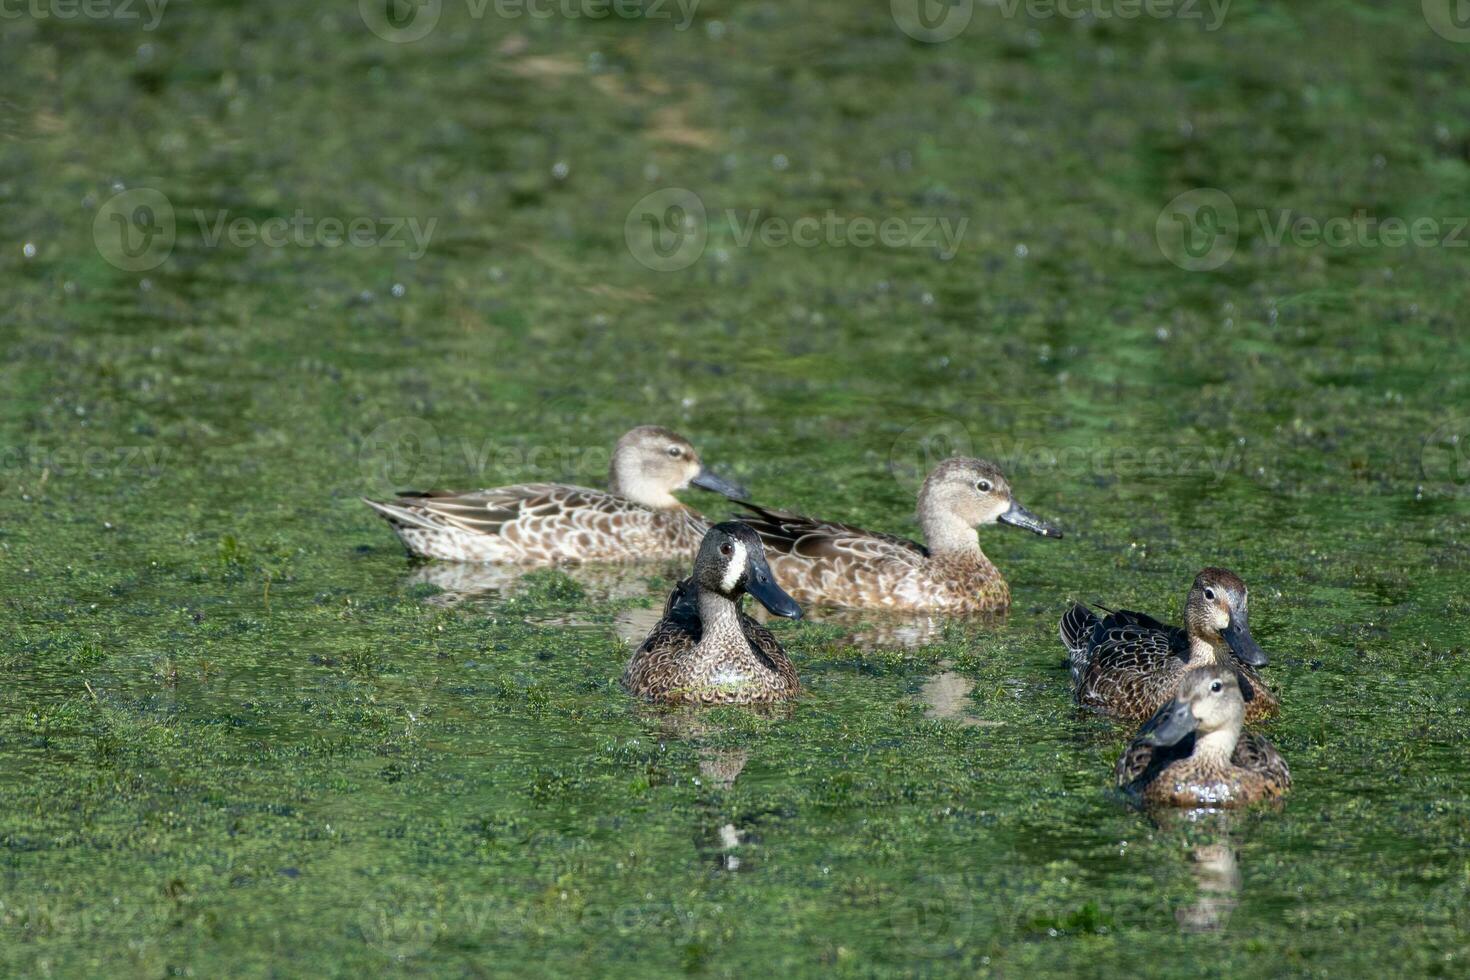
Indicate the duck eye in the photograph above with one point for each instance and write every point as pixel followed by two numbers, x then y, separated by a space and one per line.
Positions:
pixel 1210 594
pixel 983 486
pixel 726 549
pixel 675 452
pixel 1217 687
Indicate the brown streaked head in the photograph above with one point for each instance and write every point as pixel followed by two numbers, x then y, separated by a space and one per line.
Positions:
pixel 1217 612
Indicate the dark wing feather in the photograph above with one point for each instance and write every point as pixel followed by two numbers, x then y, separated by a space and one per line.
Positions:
pixel 1127 619
pixel 1114 646
pixel 683 607
pixel 657 658
pixel 1256 753
pixel 1128 665
pixel 765 644
pixel 1142 760
pixel 1075 629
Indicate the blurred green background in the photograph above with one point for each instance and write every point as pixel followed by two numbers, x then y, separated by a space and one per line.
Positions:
pixel 262 259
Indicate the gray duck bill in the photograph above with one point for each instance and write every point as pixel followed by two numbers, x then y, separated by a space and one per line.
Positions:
pixel 706 480
pixel 1018 516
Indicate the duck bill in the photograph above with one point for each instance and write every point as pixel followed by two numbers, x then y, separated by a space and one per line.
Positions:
pixel 1238 638
pixel 1169 725
pixel 1018 516
pixel 705 480
pixel 763 587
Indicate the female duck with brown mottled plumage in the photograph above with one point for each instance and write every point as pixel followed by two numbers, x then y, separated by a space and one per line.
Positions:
pixel 637 518
pixel 838 564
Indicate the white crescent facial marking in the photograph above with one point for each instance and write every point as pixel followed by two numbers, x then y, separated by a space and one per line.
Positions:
pixel 1222 620
pixel 735 568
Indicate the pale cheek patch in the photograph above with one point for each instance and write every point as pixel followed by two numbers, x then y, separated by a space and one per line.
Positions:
pixel 1222 620
pixel 735 569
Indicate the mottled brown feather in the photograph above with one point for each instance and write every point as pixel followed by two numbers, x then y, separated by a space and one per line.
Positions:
pixel 1130 664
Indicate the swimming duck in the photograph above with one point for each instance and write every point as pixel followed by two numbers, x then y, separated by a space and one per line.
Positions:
pixel 1193 753
pixel 1127 664
pixel 636 518
pixel 705 650
pixel 826 562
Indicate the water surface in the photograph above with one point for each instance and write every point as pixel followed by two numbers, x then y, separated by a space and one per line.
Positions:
pixel 242 734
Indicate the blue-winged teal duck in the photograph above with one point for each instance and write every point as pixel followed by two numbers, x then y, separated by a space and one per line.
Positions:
pixel 1127 664
pixel 705 650
pixel 1193 753
pixel 826 562
pixel 636 518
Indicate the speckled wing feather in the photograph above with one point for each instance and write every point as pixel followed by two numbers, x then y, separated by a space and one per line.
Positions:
pixel 539 522
pixel 1130 664
pixel 1141 763
pixel 1256 753
pixel 1075 629
pixel 656 661
pixel 811 539
pixel 764 643
pixel 490 511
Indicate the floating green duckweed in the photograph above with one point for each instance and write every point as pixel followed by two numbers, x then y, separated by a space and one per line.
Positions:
pixel 242 735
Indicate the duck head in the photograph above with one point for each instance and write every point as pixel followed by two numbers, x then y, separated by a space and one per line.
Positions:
pixel 732 562
pixel 649 463
pixel 961 494
pixel 1216 612
pixel 1208 701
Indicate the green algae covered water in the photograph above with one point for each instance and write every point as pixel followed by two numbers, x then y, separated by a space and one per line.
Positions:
pixel 1196 283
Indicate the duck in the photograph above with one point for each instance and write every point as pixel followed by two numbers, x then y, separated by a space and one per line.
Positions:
pixel 705 650
pixel 1126 664
pixel 637 518
pixel 828 563
pixel 1193 752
